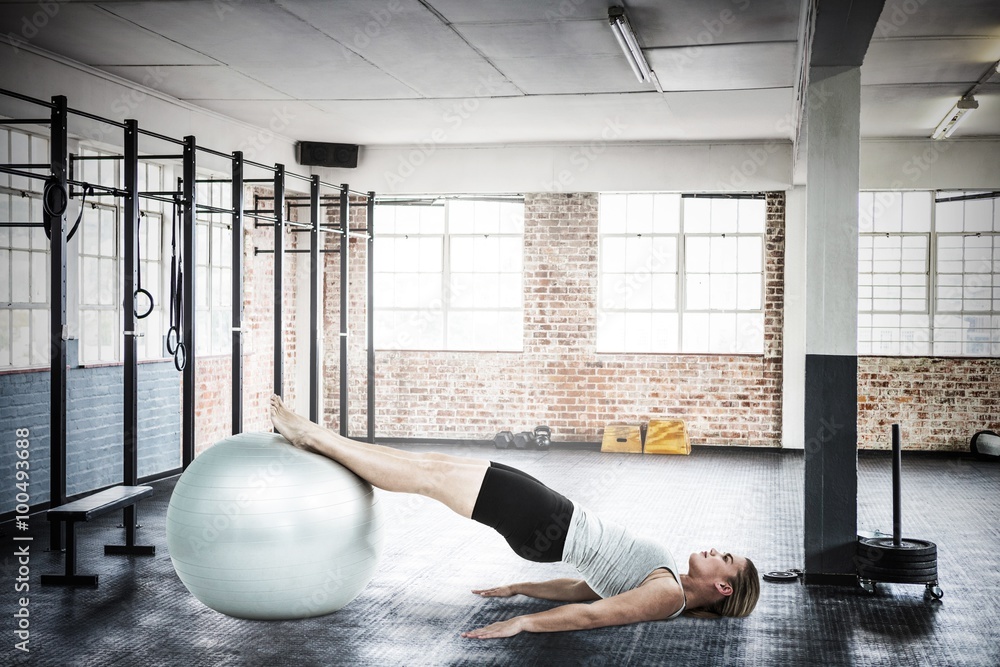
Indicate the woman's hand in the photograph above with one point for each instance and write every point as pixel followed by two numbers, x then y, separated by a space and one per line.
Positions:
pixel 508 628
pixel 497 592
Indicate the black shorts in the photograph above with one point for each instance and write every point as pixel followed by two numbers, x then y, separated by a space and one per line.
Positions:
pixel 533 518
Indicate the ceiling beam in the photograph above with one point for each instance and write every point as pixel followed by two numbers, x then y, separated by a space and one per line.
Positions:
pixel 832 33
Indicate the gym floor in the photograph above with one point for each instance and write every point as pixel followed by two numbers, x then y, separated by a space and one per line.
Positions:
pixel 747 501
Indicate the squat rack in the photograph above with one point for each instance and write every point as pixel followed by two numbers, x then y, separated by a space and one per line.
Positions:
pixel 59 181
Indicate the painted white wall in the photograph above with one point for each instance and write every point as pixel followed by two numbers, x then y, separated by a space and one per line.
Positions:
pixel 794 336
pixel 603 166
pixel 833 108
pixel 900 164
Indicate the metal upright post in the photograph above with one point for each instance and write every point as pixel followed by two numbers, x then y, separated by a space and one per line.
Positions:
pixel 315 285
pixel 59 159
pixel 130 430
pixel 189 248
pixel 279 267
pixel 370 311
pixel 345 219
pixel 237 294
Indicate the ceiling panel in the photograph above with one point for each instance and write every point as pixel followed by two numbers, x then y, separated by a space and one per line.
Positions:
pixel 559 75
pixel 914 111
pixel 345 80
pixel 945 18
pixel 553 38
pixel 921 61
pixel 235 33
pixel 463 11
pixel 196 82
pixel 88 34
pixel 408 42
pixel 725 66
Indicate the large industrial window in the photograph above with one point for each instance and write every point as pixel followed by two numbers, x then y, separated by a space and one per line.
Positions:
pixel 929 274
pixel 448 274
pixel 681 274
pixel 102 265
pixel 213 279
pixel 24 257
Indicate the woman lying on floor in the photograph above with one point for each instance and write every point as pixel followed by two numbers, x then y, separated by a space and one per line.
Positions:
pixel 630 579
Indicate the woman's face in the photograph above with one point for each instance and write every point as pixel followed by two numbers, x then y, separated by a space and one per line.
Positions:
pixel 715 565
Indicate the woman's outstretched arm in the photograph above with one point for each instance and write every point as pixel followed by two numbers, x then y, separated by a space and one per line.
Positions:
pixel 650 602
pixel 558 590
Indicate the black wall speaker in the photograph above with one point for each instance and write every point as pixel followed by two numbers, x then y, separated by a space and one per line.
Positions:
pixel 316 154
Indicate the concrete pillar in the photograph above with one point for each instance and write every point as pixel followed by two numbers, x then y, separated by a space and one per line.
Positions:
pixel 831 489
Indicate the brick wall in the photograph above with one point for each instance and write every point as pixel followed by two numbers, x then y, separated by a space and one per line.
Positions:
pixel 559 379
pixel 938 402
pixel 213 398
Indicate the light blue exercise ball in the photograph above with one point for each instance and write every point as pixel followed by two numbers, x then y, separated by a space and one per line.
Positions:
pixel 259 529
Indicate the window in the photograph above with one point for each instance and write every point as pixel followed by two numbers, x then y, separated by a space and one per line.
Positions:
pixel 894 273
pixel 681 274
pixel 102 265
pixel 448 275
pixel 213 276
pixel 928 274
pixel 24 257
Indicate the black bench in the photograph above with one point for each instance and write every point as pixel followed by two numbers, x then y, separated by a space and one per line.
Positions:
pixel 85 509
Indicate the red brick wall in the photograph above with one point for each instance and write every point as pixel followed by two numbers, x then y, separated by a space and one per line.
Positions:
pixel 559 379
pixel 213 405
pixel 938 402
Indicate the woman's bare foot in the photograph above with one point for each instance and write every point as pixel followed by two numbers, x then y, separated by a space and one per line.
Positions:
pixel 295 428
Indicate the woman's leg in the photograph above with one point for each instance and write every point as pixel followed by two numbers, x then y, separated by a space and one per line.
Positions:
pixel 452 480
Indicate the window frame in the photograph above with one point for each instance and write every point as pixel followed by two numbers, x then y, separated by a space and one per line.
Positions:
pixel 682 274
pixel 447 306
pixel 933 312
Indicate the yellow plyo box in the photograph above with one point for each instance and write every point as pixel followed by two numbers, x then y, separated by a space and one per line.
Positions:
pixel 622 438
pixel 667 436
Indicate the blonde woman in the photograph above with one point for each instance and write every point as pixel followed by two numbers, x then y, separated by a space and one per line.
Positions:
pixel 626 579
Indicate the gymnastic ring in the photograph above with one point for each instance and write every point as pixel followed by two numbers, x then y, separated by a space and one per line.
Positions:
pixel 173 335
pixel 135 302
pixel 180 357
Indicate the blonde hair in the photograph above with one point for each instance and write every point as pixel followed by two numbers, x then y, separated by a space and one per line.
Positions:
pixel 746 591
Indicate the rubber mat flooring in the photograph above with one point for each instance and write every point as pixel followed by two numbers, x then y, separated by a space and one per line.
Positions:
pixel 746 501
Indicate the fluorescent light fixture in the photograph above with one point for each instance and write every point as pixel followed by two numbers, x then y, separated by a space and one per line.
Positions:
pixel 958 113
pixel 630 46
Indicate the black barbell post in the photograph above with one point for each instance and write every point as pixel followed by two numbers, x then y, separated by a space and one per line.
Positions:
pixel 897 502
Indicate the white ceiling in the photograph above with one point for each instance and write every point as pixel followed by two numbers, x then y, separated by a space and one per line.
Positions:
pixel 511 71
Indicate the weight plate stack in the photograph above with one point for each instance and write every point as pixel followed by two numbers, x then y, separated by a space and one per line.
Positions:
pixel 909 562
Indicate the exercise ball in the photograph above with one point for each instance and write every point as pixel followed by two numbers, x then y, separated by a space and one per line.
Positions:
pixel 259 529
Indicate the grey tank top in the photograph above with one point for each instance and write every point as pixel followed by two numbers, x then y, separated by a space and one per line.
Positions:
pixel 611 559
